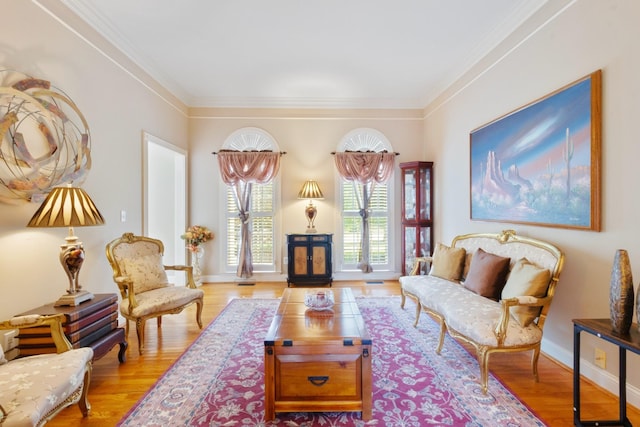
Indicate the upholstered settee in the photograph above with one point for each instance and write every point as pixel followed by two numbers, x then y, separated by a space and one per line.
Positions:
pixel 34 389
pixel 492 291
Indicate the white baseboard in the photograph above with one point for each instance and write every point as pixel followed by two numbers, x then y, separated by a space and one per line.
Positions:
pixel 602 378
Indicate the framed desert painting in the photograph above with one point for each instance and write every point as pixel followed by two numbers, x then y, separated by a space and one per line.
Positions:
pixel 540 164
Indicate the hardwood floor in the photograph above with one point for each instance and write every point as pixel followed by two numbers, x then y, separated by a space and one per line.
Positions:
pixel 115 387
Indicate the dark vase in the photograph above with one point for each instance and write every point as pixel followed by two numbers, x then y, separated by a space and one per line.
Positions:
pixel 621 300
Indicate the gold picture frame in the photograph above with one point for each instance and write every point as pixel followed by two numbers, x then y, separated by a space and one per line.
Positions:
pixel 541 164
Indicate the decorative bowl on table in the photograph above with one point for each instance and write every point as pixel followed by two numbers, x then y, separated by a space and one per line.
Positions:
pixel 319 300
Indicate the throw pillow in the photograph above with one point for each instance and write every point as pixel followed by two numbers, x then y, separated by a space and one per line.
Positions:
pixel 526 279
pixel 487 274
pixel 146 272
pixel 447 262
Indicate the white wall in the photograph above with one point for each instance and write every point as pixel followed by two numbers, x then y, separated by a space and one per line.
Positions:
pixel 587 36
pixel 118 107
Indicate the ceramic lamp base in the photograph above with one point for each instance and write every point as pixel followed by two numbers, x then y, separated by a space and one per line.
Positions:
pixel 310 212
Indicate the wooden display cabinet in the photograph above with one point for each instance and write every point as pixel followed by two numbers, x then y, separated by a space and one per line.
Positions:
pixel 417 212
pixel 309 259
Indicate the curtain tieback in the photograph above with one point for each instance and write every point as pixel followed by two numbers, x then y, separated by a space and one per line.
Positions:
pixel 244 217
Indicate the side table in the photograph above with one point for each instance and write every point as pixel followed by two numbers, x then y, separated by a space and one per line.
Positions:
pixel 309 259
pixel 93 323
pixel 602 329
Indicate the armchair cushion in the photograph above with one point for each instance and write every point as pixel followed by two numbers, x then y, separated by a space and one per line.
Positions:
pixel 146 272
pixel 526 279
pixel 487 274
pixel 447 262
pixel 160 300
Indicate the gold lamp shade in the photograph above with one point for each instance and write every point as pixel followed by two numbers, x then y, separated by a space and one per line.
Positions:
pixel 310 190
pixel 69 207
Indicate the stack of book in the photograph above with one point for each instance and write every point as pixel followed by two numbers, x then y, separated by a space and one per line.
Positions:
pixel 84 325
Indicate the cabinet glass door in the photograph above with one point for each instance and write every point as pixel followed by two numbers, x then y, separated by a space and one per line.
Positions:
pixel 425 241
pixel 425 194
pixel 409 194
pixel 409 248
pixel 417 243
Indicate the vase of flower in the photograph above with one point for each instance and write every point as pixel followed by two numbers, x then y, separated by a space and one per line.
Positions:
pixel 195 236
pixel 196 256
pixel 621 299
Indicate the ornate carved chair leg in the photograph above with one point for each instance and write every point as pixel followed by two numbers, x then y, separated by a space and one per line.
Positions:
pixel 534 362
pixel 199 313
pixel 418 311
pixel 403 298
pixel 443 332
pixel 140 331
pixel 483 361
pixel 83 403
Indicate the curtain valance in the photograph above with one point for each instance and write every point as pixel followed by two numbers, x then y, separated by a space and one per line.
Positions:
pixel 258 167
pixel 365 167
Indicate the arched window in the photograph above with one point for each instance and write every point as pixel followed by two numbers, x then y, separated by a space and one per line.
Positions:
pixel 263 206
pixel 365 209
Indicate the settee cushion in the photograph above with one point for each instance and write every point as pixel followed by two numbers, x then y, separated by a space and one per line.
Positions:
pixel 526 279
pixel 464 312
pixel 476 318
pixel 31 387
pixel 447 262
pixel 487 274
pixel 146 272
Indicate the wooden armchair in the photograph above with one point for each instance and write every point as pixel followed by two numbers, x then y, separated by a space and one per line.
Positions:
pixel 35 389
pixel 141 277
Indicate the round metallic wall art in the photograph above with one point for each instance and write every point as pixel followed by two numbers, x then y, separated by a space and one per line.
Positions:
pixel 45 140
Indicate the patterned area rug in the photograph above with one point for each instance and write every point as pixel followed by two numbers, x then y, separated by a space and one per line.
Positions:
pixel 218 381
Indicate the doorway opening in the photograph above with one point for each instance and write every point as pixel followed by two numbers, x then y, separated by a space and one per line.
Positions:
pixel 165 198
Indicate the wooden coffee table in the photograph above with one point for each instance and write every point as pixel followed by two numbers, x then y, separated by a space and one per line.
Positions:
pixel 316 361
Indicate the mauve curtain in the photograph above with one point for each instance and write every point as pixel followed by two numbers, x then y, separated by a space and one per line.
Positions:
pixel 241 169
pixel 366 168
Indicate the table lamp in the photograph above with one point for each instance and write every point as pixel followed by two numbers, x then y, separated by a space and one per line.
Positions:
pixel 310 190
pixel 69 207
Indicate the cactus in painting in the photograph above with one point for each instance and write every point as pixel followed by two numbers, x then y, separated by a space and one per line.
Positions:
pixel 567 155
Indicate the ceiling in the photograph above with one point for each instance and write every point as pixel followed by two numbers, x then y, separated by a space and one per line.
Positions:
pixel 305 53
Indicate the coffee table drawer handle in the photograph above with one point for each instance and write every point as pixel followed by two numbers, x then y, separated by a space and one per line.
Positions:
pixel 319 380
